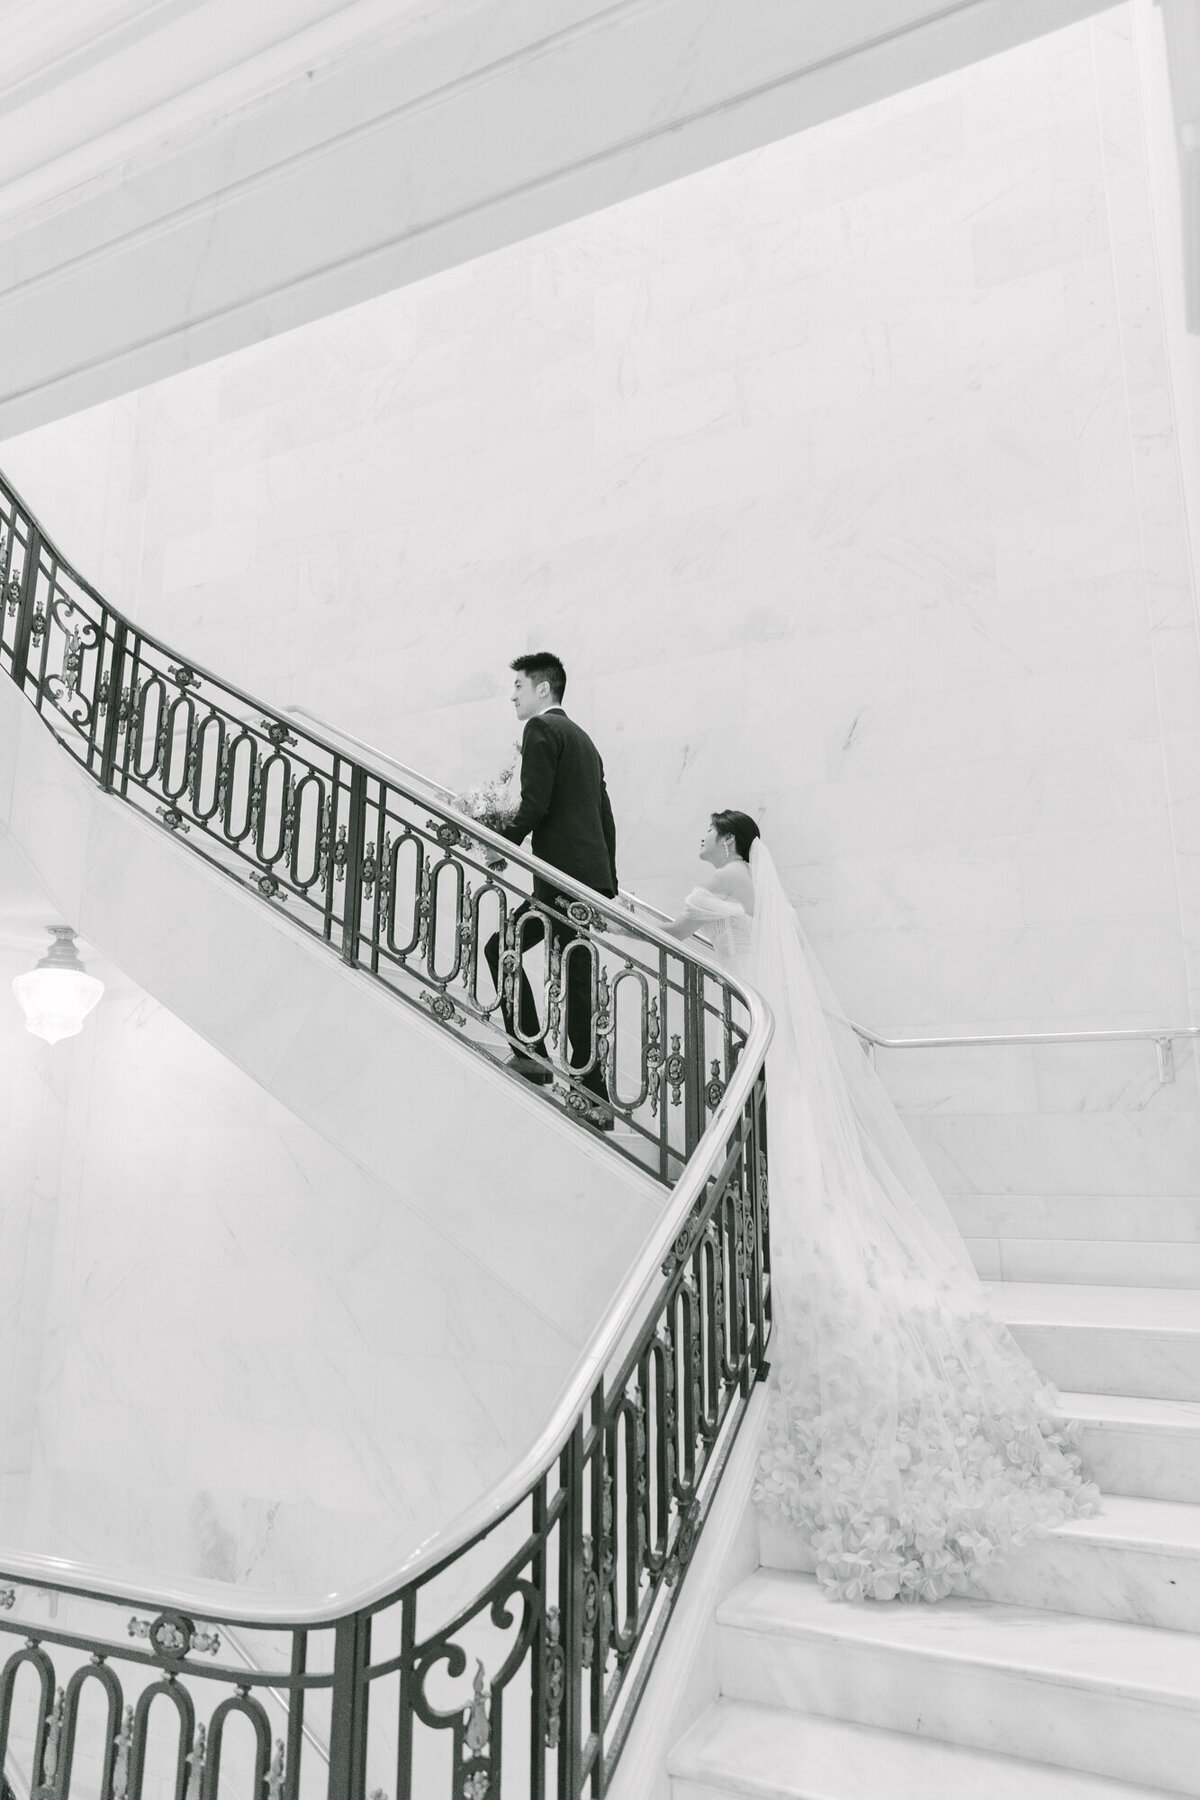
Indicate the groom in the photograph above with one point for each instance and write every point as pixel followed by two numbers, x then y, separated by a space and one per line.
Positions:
pixel 565 804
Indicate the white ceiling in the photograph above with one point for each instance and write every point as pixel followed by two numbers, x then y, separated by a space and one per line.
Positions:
pixel 179 178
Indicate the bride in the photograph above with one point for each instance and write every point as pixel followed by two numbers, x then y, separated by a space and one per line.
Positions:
pixel 909 1441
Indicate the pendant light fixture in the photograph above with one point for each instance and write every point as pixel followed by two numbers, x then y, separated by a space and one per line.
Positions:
pixel 58 994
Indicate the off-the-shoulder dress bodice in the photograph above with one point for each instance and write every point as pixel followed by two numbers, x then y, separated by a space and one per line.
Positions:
pixel 727 923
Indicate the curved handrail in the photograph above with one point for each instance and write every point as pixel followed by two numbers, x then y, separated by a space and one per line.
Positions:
pixel 653 1402
pixel 627 897
pixel 969 1040
pixel 211 1600
pixel 116 648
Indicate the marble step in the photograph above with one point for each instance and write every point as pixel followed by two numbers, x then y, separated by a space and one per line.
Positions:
pixel 1117 1700
pixel 1114 1218
pixel 1136 1560
pixel 739 1751
pixel 1106 1340
pixel 1149 1448
pixel 1102 1262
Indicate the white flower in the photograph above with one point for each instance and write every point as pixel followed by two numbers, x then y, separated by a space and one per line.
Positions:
pixel 489 803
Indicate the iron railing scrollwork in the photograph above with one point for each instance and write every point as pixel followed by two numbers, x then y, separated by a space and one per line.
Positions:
pixel 382 870
pixel 510 1662
pixel 507 1657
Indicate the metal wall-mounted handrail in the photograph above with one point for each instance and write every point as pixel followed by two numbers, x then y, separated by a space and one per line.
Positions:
pixel 1156 1034
pixel 1162 1037
pixel 972 1040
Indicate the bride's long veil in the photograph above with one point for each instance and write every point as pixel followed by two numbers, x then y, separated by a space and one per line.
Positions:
pixel 909 1437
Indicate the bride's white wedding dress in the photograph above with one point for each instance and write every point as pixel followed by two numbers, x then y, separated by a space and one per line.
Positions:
pixel 909 1440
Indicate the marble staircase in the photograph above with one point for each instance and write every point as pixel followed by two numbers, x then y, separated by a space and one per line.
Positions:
pixel 1072 1669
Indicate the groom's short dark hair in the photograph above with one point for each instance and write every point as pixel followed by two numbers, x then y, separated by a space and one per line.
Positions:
pixel 541 666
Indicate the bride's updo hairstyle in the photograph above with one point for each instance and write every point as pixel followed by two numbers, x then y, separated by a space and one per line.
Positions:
pixel 740 827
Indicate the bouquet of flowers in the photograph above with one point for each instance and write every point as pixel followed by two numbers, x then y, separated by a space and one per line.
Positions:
pixel 494 803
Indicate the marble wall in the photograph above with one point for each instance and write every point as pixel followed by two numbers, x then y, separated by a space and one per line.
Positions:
pixel 33 1108
pixel 845 478
pixel 227 1350
pixel 272 1316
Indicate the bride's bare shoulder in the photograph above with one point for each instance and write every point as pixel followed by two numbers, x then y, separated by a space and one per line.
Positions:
pixel 734 882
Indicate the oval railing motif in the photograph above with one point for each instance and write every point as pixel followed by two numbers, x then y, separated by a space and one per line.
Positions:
pixel 398 883
pixel 507 1656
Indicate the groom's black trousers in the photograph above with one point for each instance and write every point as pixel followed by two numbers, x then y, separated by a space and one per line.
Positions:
pixel 578 992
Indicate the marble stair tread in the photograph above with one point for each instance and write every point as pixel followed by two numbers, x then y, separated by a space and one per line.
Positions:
pixel 1132 1409
pixel 1133 1446
pixel 1106 1308
pixel 1117 1262
pixel 1176 1418
pixel 1166 1525
pixel 1136 1559
pixel 1100 1654
pixel 1171 1527
pixel 1106 1340
pixel 1115 1699
pixel 1157 1218
pixel 749 1752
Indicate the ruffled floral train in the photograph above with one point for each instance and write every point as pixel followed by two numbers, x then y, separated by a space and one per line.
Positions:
pixel 918 1448
pixel 909 1440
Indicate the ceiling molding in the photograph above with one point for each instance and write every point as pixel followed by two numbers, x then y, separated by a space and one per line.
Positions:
pixel 331 152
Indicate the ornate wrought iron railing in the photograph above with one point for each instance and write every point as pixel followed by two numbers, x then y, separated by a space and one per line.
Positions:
pixel 506 1657
pixel 382 870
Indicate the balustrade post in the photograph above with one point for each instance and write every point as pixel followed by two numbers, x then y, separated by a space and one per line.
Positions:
pixel 570 1588
pixel 758 1171
pixel 348 1712
pixel 112 718
pixel 693 1052
pixel 27 605
pixel 355 827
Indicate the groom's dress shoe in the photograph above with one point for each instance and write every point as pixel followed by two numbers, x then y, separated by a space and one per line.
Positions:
pixel 528 1070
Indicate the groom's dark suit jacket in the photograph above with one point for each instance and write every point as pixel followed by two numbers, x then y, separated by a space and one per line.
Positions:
pixel 565 804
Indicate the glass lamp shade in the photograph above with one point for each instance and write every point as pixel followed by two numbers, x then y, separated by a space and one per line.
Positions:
pixel 57 996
